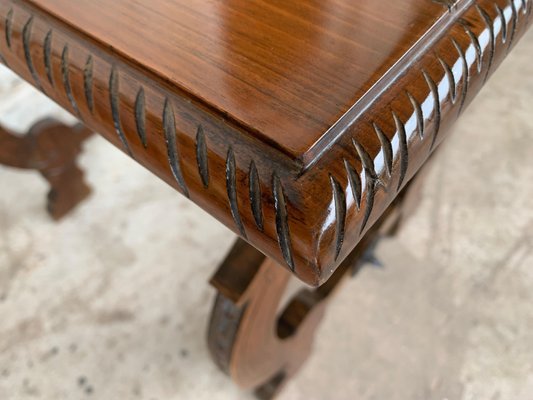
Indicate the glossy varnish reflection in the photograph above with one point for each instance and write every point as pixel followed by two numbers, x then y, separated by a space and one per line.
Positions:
pixel 286 70
pixel 225 100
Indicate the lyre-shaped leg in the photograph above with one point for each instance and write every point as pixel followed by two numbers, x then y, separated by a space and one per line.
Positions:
pixel 51 148
pixel 249 337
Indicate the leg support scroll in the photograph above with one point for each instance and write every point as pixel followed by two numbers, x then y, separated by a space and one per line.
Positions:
pixel 254 341
pixel 249 337
pixel 51 148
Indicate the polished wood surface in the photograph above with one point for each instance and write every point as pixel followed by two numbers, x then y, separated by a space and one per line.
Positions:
pixel 355 97
pixel 51 148
pixel 284 70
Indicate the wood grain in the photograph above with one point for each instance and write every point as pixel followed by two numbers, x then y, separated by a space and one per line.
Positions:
pixel 296 133
pixel 272 67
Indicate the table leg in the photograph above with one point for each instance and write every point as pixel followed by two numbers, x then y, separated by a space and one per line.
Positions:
pixel 249 337
pixel 51 148
pixel 254 341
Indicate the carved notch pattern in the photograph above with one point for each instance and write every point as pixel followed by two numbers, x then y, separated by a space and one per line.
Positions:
pixel 499 26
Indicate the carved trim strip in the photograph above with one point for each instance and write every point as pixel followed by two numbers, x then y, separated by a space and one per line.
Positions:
pixel 434 90
pixel 503 22
pixel 386 147
pixel 490 27
pixel 47 56
pixel 115 108
pixel 451 79
pixel 169 128
pixel 255 195
pixel 65 73
pixel 26 40
pixel 140 116
pixel 282 223
pixel 231 187
pixel 201 156
pixel 418 114
pixel 371 181
pixel 475 42
pixel 514 23
pixel 340 214
pixel 355 183
pixel 465 73
pixel 404 152
pixel 88 82
pixel 9 27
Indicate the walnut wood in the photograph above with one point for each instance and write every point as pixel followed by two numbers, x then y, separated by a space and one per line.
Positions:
pixel 271 66
pixel 50 148
pixel 294 123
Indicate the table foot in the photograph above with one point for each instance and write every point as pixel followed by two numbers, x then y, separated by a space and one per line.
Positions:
pixel 51 148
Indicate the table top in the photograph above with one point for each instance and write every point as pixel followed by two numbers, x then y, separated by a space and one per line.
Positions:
pixel 294 123
pixel 287 71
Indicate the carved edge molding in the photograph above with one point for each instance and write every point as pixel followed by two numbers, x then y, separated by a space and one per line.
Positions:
pixel 382 150
pixel 307 222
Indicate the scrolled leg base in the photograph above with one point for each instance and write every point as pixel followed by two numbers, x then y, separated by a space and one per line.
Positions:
pixel 50 148
pixel 260 346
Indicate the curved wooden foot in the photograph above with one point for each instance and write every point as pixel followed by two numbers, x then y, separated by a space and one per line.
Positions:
pixel 254 341
pixel 51 148
pixel 249 337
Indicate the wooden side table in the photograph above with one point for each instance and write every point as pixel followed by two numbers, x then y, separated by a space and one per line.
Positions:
pixel 299 125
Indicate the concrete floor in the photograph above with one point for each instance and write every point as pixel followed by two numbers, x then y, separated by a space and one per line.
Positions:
pixel 112 303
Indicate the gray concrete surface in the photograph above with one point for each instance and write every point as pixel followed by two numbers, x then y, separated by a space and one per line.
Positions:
pixel 112 303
